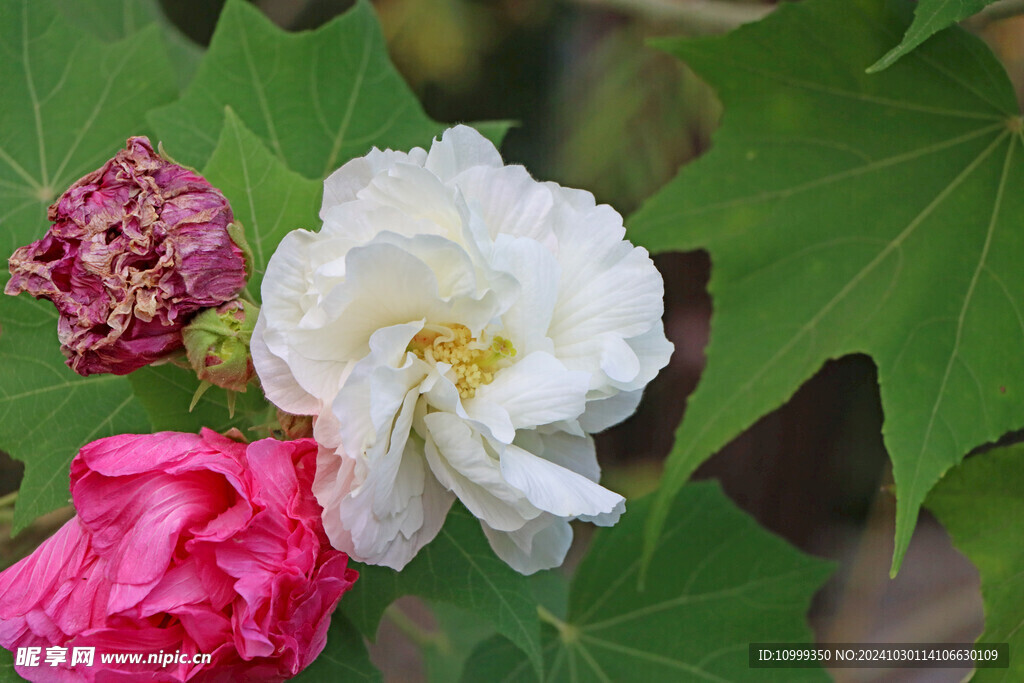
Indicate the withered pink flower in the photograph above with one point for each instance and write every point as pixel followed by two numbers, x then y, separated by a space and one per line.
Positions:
pixel 135 248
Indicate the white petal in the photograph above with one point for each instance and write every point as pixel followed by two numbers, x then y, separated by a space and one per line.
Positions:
pixel 417 193
pixel 510 202
pixel 607 285
pixel 348 499
pixel 540 544
pixel 576 453
pixel 461 463
pixel 450 263
pixel 357 222
pixel 603 413
pixel 654 352
pixel 342 185
pixel 459 148
pixel 617 291
pixel 366 406
pixel 388 345
pixel 400 471
pixel 335 477
pixel 553 488
pixel 536 270
pixel 491 418
pixel 386 285
pixel 288 278
pixel 534 391
pixel 320 378
pixel 327 428
pixel 571 202
pixel 276 378
pixel 610 518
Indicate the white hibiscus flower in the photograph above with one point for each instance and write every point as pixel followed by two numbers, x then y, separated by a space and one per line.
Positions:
pixel 458 329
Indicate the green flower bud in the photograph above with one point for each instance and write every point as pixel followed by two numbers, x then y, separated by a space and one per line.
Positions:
pixel 217 344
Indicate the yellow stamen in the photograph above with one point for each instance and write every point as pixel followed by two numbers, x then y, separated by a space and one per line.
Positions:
pixel 473 362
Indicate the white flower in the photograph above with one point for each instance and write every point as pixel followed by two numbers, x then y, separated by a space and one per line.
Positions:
pixel 458 328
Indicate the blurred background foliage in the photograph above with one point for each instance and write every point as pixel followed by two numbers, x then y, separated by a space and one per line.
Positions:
pixel 597 109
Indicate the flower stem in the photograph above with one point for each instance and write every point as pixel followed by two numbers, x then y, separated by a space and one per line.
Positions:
pixel 9 500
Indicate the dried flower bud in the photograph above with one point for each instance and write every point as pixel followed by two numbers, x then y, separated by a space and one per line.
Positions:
pixel 135 248
pixel 217 344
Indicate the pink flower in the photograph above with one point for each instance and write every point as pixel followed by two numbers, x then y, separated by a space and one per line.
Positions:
pixel 135 248
pixel 183 543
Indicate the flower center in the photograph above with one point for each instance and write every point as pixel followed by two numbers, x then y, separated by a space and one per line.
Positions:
pixel 473 361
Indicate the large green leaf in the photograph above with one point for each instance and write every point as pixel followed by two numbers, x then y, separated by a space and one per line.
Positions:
pixel 458 567
pixel 344 657
pixel 717 583
pixel 269 200
pixel 850 213
pixel 981 504
pixel 316 98
pixel 69 103
pixel 111 20
pixel 930 17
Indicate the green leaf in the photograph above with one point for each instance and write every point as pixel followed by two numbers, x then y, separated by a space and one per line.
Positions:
pixel 981 504
pixel 111 20
pixel 497 660
pixel 344 657
pixel 930 17
pixel 69 104
pixel 848 213
pixel 7 672
pixel 459 631
pixel 316 98
pixel 458 567
pixel 47 412
pixel 718 582
pixel 166 391
pixel 269 200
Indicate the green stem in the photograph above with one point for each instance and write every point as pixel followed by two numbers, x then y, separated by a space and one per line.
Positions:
pixel 8 500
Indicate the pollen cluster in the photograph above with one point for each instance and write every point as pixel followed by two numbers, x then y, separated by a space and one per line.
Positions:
pixel 473 361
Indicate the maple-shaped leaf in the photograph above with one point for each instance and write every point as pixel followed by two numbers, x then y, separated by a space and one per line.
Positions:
pixel 316 98
pixel 111 20
pixel 719 582
pixel 854 213
pixel 930 17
